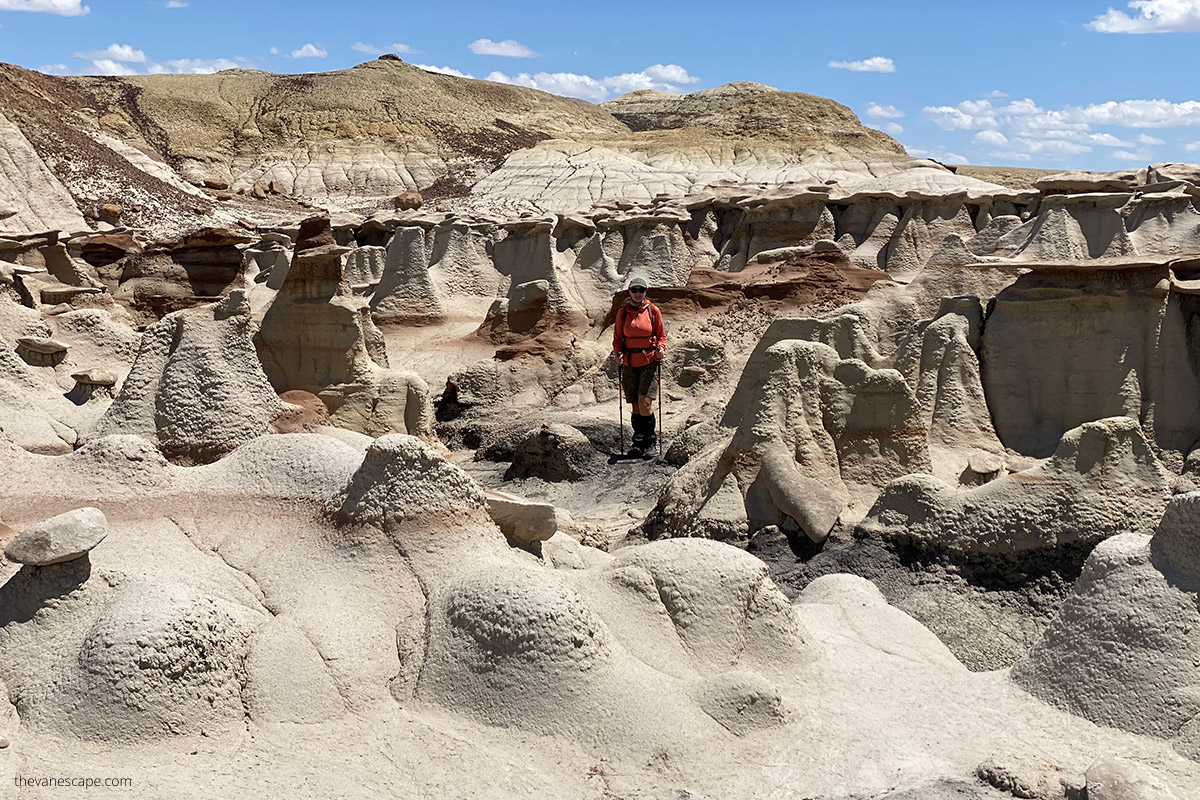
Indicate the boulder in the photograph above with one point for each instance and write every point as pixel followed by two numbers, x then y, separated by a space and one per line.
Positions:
pixel 65 537
pixel 212 237
pixel 554 452
pixel 1078 181
pixel 1125 779
pixel 409 200
pixel 523 521
pixel 92 383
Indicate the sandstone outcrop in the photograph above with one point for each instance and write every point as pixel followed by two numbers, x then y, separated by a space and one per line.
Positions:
pixel 1118 652
pixel 318 337
pixel 196 388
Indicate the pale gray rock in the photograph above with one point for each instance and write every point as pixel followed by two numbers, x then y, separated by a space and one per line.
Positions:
pixel 1102 480
pixel 1125 779
pixel 747 620
pixel 196 388
pixel 742 701
pixel 524 521
pixel 28 188
pixel 1117 653
pixel 402 478
pixel 554 452
pixel 1066 344
pixel 42 345
pixel 406 293
pixel 61 538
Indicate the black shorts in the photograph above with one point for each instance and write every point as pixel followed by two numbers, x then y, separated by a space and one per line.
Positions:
pixel 639 381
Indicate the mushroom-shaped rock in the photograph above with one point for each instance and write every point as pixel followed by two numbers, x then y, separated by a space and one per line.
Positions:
pixel 41 351
pixel 63 538
pixel 53 293
pixel 92 383
pixel 524 521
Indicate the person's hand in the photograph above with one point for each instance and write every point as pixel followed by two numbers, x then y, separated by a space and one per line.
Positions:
pixel 620 359
pixel 660 353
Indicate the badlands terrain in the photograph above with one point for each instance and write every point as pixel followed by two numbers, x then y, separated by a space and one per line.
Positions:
pixel 310 433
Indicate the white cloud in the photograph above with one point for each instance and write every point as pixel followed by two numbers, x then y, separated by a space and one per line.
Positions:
pixel 1011 156
pixel 107 66
pixel 1026 119
pixel 192 66
pixel 1049 147
pixel 1126 155
pixel 875 64
pixel 1152 16
pixel 997 94
pixel 1193 147
pixel 176 4
pixel 668 73
pixel 444 70
pixel 310 50
pixel 994 138
pixel 893 128
pixel 64 8
pixel 115 52
pixel 938 154
pixel 508 48
pixel 883 112
pixel 1140 113
pixel 1146 139
pixel 372 50
pixel 55 69
pixel 1108 140
pixel 563 83
pixel 659 77
pixel 966 116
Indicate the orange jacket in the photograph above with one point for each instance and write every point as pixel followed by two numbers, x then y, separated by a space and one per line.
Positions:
pixel 639 333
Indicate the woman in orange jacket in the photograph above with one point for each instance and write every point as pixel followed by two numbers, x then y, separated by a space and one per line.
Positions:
pixel 639 342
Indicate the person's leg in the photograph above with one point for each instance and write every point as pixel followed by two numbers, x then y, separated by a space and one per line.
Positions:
pixel 645 384
pixel 629 385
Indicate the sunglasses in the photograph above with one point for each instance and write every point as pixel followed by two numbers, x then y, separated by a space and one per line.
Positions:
pixel 637 291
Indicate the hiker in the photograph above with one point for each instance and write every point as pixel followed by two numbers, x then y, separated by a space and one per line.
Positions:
pixel 639 341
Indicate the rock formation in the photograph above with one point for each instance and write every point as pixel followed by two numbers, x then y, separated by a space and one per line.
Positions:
pixel 196 387
pixel 302 473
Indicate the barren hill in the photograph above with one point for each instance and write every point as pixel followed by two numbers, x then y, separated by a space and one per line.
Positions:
pixel 374 130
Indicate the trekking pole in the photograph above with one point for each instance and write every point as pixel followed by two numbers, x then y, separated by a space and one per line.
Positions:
pixel 660 429
pixel 620 405
pixel 666 328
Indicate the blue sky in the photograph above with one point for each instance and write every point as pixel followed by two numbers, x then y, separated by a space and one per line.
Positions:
pixel 1053 83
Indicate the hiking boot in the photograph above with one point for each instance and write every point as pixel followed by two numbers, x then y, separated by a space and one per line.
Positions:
pixel 638 448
